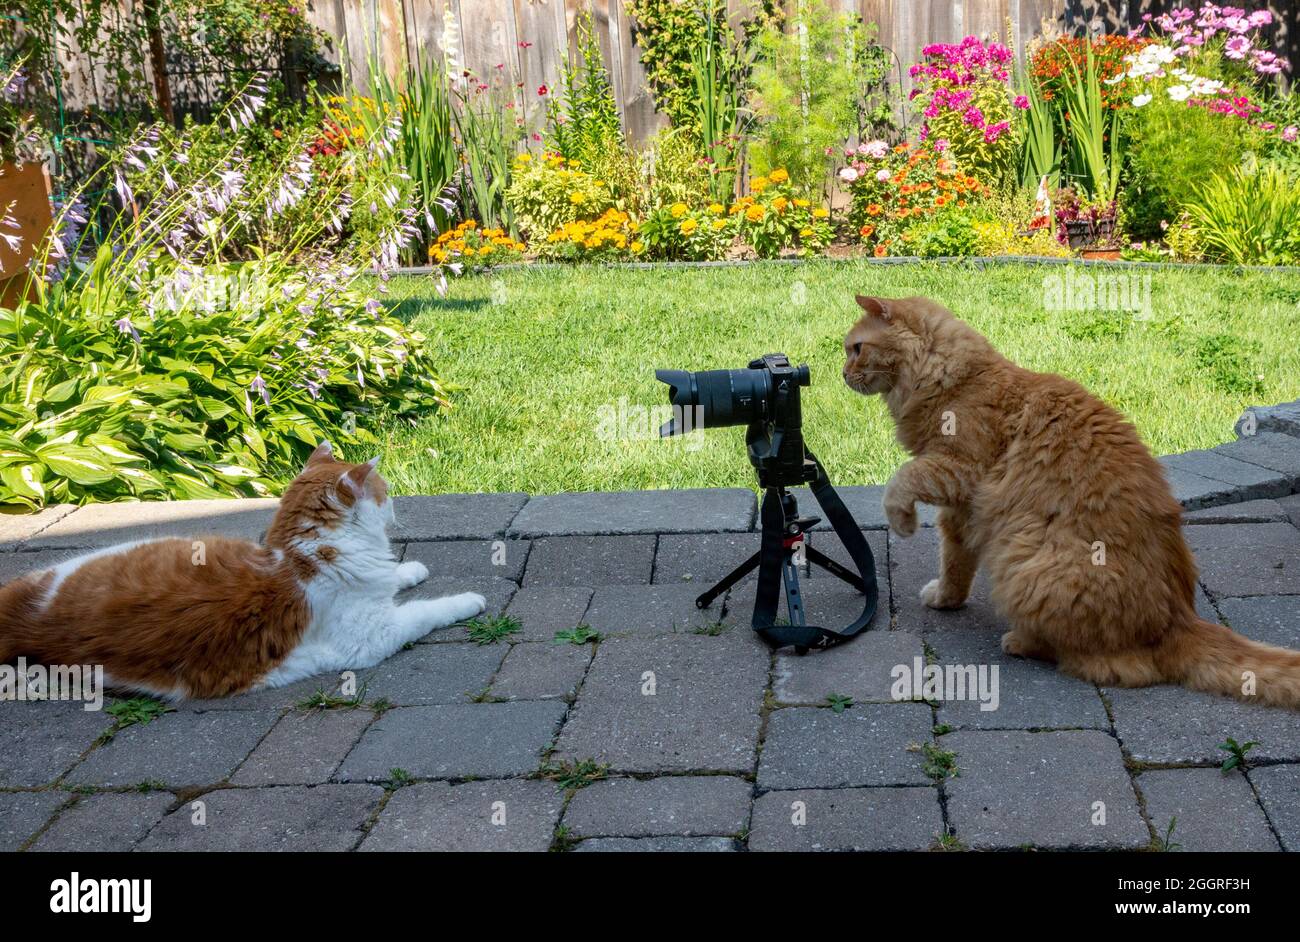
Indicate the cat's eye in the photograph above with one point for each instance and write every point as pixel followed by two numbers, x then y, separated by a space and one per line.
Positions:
pixel 857 349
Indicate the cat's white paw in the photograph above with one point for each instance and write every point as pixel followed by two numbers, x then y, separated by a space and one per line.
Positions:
pixel 933 598
pixel 469 604
pixel 411 573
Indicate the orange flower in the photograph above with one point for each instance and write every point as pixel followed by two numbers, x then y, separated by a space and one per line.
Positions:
pixel 873 209
pixel 961 204
pixel 866 231
pixel 881 251
pixel 940 200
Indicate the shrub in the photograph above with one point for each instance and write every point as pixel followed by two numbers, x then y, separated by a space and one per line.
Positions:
pixel 968 105
pixel 609 237
pixel 806 92
pixel 678 174
pixel 948 233
pixel 892 189
pixel 772 219
pixel 1249 218
pixel 148 366
pixel 679 233
pixel 471 245
pixel 548 192
pixel 587 123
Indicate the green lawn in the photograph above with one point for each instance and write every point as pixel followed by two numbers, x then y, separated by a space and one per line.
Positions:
pixel 545 359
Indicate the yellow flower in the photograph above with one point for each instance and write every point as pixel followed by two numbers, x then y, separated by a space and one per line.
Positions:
pixel 576 198
pixel 805 232
pixel 779 175
pixel 719 225
pixel 755 213
pixel 802 203
pixel 758 184
pixel 821 212
pixel 717 209
pixel 688 226
pixel 780 203
pixel 637 246
pixel 524 158
pixel 678 210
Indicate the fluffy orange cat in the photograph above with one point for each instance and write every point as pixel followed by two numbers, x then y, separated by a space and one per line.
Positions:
pixel 1035 479
pixel 208 618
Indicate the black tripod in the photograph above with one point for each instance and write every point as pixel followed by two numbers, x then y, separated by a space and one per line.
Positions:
pixel 777 562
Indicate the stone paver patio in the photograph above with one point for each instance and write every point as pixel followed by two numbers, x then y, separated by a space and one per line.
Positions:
pixel 707 740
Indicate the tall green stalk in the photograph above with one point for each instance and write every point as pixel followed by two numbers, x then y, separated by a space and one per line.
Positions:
pixel 1093 147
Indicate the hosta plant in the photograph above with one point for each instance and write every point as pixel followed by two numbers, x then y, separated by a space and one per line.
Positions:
pixel 144 365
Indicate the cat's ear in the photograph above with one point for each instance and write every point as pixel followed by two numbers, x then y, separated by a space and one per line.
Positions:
pixel 374 462
pixel 324 452
pixel 876 307
pixel 354 479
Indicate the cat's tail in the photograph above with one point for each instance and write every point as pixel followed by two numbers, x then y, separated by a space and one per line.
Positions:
pixel 1213 658
pixel 20 613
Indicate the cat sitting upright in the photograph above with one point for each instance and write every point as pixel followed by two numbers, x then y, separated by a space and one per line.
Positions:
pixel 1052 492
pixel 179 618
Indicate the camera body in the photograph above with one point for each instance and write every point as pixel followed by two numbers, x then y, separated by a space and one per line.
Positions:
pixel 764 398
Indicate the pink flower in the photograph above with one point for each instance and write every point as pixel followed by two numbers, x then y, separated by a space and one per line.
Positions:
pixel 1022 102
pixel 848 175
pixel 882 175
pixel 1237 47
pixel 1290 133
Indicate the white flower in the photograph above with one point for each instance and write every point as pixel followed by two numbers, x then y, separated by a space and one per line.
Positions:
pixel 1179 92
pixel 848 174
pixel 882 175
pixel 1116 79
pixel 1204 86
pixel 1141 100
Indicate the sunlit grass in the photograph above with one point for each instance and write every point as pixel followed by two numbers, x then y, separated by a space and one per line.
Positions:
pixel 544 357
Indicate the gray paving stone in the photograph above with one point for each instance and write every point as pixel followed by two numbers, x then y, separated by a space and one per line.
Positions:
pixel 503 559
pixel 1291 507
pixel 433 673
pixel 846 819
pixel 543 610
pixel 304 748
pixel 18 525
pixel 1250 480
pixel 1195 492
pixel 541 671
pixel 1270 450
pixel 495 591
pixel 648 610
pixel 1030 695
pixel 683 806
pixel 1211 810
pixel 699 510
pixel 1250 511
pixel 456 516
pixel 507 815
pixel 913 562
pixel 41 741
pixel 701 559
pixel 23 813
pixel 661 845
pixel 590 561
pixel 859 669
pixel 867 744
pixel 97 525
pixel 105 822
pixel 865 504
pixel 1283 417
pixel 703 713
pixel 480 740
pixel 1018 789
pixel 1171 724
pixel 1247 558
pixel 289 818
pixel 1272 619
pixel 13 565
pixel 1279 791
pixel 176 749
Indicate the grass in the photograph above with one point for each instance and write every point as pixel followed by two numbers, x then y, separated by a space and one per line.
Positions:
pixel 491 630
pixel 550 359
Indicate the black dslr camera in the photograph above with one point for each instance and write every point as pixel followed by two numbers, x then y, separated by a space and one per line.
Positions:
pixel 765 399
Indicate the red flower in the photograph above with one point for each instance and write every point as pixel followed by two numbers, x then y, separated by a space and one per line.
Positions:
pixel 541 89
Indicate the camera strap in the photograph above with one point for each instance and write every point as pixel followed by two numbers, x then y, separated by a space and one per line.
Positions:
pixel 777 567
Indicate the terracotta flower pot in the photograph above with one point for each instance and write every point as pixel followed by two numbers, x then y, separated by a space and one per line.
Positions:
pixel 25 193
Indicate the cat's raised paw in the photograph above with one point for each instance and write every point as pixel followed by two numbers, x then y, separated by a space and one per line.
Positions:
pixel 902 520
pixel 411 573
pixel 933 597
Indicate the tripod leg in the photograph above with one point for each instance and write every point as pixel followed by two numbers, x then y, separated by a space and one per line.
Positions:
pixel 707 598
pixel 834 568
pixel 793 597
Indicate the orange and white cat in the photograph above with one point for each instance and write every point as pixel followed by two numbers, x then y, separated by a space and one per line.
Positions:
pixel 1053 493
pixel 182 618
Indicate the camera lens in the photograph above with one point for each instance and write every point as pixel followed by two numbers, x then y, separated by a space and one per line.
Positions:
pixel 724 397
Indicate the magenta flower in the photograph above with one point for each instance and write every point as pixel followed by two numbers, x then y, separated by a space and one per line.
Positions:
pixel 1022 102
